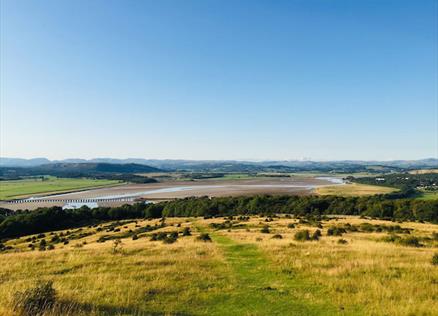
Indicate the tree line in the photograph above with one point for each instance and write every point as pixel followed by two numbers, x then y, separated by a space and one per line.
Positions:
pixel 22 223
pixel 401 180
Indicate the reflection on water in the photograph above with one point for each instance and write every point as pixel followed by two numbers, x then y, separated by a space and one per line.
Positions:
pixel 332 180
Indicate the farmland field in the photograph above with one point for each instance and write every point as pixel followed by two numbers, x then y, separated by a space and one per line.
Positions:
pixel 27 187
pixel 428 196
pixel 247 268
pixel 354 189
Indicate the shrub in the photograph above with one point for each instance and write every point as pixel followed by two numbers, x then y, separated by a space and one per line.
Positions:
pixel 35 301
pixel 265 229
pixel 291 225
pixel 161 236
pixel 435 259
pixel 42 245
pixel 410 242
pixel 186 231
pixel 134 237
pixel 225 225
pixel 154 237
pixel 169 239
pixel 204 237
pixel 335 231
pixel 50 247
pixel 391 238
pixel 316 234
pixel 173 235
pixel 302 235
pixel 101 239
pixel 342 241
pixel 277 236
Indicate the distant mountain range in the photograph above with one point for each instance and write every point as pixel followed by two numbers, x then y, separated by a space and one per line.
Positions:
pixel 68 169
pixel 132 165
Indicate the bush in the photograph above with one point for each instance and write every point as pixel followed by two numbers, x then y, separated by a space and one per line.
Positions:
pixel 265 229
pixel 342 241
pixel 316 235
pixel 291 225
pixel 161 236
pixel 410 242
pixel 35 301
pixel 173 235
pixel 169 239
pixel 391 238
pixel 186 231
pixel 302 235
pixel 42 245
pixel 335 231
pixel 435 259
pixel 277 236
pixel 134 237
pixel 204 237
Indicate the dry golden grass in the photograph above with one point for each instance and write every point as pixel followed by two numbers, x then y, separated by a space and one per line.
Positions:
pixel 364 277
pixel 353 189
pixel 144 278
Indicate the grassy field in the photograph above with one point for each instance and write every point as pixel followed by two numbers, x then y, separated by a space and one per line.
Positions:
pixel 354 189
pixel 423 171
pixel 428 196
pixel 28 187
pixel 242 271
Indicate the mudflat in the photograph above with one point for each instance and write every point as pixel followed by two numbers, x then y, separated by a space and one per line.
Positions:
pixel 181 189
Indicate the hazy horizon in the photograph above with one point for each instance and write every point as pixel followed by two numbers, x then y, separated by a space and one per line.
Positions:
pixel 219 80
pixel 237 160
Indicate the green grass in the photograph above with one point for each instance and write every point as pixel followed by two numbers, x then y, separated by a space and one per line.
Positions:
pixel 428 196
pixel 27 187
pixel 260 288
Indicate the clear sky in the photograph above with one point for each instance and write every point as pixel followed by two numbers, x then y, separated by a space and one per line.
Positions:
pixel 226 79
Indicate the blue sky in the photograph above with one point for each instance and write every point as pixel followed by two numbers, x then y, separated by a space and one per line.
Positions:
pixel 223 79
